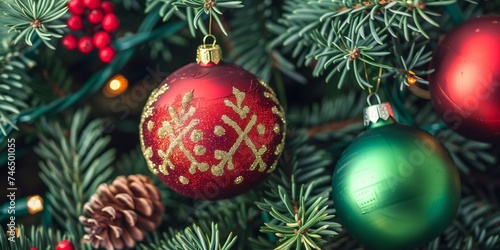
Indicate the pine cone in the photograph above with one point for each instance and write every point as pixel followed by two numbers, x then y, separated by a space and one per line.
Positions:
pixel 120 213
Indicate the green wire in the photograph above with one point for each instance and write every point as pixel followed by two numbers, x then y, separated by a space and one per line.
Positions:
pixel 455 14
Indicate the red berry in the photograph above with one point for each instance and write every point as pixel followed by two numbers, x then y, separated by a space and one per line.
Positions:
pixel 70 42
pixel 107 54
pixel 92 4
pixel 76 7
pixel 110 22
pixel 107 7
pixel 101 39
pixel 95 16
pixel 65 245
pixel 33 248
pixel 85 45
pixel 75 23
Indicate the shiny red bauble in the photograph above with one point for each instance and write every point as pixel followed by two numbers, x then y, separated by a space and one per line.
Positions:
pixel 76 7
pixel 95 16
pixel 65 245
pixel 85 45
pixel 75 23
pixel 107 54
pixel 465 88
pixel 212 132
pixel 101 39
pixel 92 4
pixel 107 7
pixel 110 22
pixel 70 42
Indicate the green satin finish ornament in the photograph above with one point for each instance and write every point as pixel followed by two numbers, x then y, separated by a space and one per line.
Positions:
pixel 395 186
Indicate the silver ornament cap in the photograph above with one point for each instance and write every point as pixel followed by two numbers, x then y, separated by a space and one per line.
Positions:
pixel 377 112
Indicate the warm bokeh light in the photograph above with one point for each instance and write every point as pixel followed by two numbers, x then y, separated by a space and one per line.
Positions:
pixel 116 86
pixel 35 204
pixel 411 80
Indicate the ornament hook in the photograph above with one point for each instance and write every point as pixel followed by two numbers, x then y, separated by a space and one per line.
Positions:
pixel 209 54
pixel 370 96
pixel 205 40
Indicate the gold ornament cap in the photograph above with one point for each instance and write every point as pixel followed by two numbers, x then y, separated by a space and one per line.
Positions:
pixel 377 112
pixel 209 53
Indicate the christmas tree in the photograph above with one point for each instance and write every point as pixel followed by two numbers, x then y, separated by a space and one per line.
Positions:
pixel 253 124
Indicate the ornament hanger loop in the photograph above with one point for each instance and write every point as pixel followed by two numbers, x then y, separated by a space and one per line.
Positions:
pixel 205 40
pixel 370 96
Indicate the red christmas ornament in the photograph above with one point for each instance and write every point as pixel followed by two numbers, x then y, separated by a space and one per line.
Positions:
pixel 101 39
pixel 76 7
pixel 212 130
pixel 107 54
pixel 92 4
pixel 65 245
pixel 33 248
pixel 85 45
pixel 75 23
pixel 465 88
pixel 110 22
pixel 107 7
pixel 70 42
pixel 95 16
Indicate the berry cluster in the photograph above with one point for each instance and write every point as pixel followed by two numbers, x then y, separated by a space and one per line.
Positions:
pixel 100 15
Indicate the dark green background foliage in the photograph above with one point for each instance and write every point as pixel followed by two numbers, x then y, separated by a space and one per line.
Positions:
pixel 320 57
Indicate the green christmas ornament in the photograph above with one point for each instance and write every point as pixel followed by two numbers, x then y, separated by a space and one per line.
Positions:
pixel 395 186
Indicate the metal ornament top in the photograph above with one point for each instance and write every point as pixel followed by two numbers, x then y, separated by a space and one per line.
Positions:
pixel 208 54
pixel 377 112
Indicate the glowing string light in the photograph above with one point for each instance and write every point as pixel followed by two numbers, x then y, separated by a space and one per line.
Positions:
pixel 116 86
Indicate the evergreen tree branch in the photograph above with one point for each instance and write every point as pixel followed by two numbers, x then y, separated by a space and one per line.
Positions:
pixel 52 81
pixel 195 10
pixel 353 36
pixel 299 198
pixel 39 237
pixel 75 162
pixel 331 109
pixel 30 17
pixel 476 226
pixel 238 215
pixel 13 89
pixel 192 238
pixel 252 47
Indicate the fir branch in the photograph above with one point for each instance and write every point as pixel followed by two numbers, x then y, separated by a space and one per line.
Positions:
pixel 476 226
pixel 302 219
pixel 352 35
pixel 30 17
pixel 75 163
pixel 194 11
pixel 192 238
pixel 467 154
pixel 337 108
pixel 52 81
pixel 238 215
pixel 406 15
pixel 299 198
pixel 410 60
pixel 13 89
pixel 161 47
pixel 252 34
pixel 39 237
pixel 348 50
